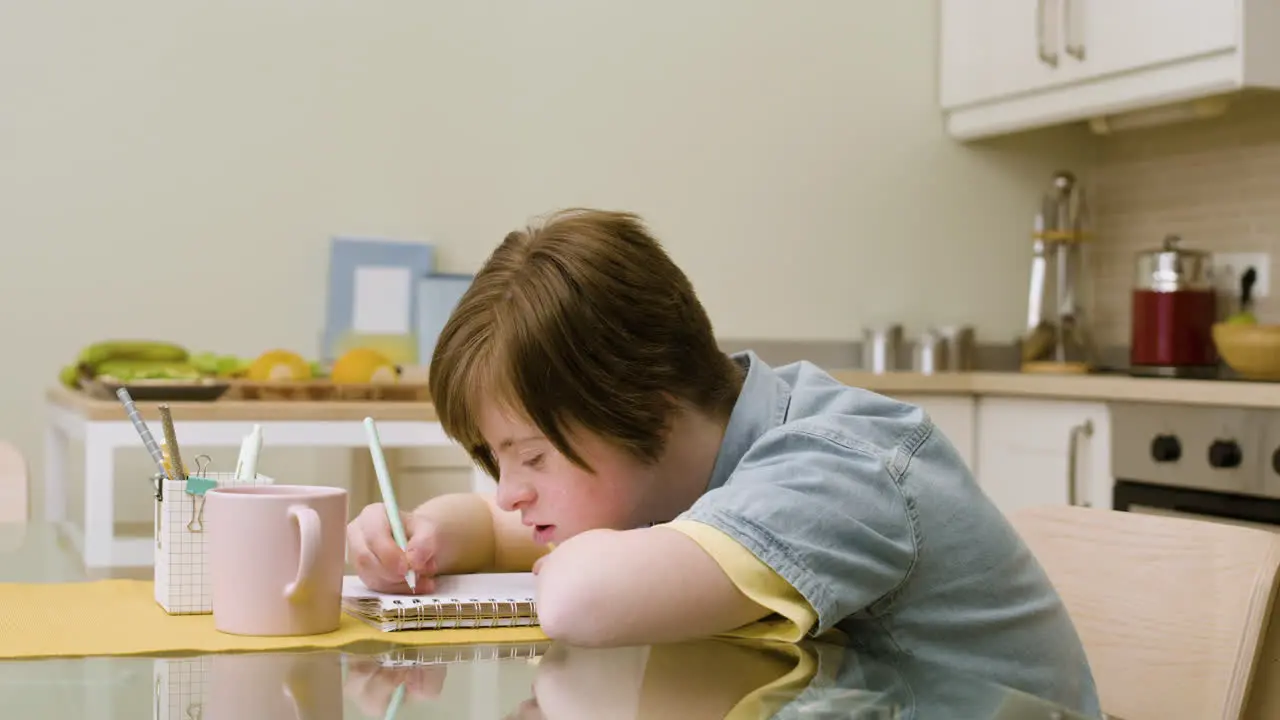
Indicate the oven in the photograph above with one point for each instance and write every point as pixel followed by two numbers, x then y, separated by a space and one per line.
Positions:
pixel 1211 463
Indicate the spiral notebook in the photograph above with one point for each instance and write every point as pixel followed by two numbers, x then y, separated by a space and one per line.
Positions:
pixel 416 656
pixel 459 601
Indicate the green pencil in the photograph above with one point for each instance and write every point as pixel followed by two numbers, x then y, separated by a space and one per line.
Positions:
pixel 388 494
pixel 393 707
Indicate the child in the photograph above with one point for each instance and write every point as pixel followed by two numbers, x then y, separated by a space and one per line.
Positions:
pixel 688 493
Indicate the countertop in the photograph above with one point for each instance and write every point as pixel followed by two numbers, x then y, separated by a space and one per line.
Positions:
pixel 1096 387
pixel 1093 387
pixel 90 408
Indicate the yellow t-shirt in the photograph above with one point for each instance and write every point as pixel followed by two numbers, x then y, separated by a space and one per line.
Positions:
pixel 793 616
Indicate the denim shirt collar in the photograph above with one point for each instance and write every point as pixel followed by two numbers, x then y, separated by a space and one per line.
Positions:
pixel 761 406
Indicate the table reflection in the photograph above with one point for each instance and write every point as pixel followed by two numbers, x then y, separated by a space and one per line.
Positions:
pixel 717 678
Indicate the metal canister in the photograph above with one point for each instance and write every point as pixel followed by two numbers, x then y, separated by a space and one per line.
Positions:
pixel 930 355
pixel 961 345
pixel 881 348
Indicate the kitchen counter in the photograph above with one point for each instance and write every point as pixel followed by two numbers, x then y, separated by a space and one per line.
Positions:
pixel 90 408
pixel 1225 393
pixel 1100 387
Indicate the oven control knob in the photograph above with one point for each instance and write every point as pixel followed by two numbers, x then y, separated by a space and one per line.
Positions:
pixel 1225 454
pixel 1166 448
pixel 1275 461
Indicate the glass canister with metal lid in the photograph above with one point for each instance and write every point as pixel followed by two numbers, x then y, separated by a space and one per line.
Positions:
pixel 1174 308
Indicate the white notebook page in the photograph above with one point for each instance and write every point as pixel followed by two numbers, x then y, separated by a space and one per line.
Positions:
pixel 477 587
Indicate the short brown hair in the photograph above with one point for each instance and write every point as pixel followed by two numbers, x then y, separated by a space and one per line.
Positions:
pixel 580 320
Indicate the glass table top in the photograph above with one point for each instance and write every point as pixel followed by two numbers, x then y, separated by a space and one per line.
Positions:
pixel 714 678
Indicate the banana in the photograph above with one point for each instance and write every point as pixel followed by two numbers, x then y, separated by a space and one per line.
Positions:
pixel 215 365
pixel 70 376
pixel 126 370
pixel 153 350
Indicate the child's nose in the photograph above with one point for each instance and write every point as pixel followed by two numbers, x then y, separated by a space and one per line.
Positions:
pixel 513 493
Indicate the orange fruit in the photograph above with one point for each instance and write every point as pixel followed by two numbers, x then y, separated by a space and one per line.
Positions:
pixel 279 365
pixel 363 365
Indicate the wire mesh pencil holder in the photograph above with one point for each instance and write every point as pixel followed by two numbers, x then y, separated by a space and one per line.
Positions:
pixel 182 580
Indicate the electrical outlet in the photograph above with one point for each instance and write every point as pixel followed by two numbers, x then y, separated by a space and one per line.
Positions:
pixel 1228 267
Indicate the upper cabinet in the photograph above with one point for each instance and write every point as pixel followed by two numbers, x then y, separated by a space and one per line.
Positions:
pixel 994 49
pixel 1109 37
pixel 1011 65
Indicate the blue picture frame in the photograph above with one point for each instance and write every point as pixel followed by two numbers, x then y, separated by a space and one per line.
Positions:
pixel 438 295
pixel 348 257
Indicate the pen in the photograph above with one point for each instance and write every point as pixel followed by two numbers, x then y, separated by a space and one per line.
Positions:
pixel 148 441
pixel 250 447
pixel 388 495
pixel 171 441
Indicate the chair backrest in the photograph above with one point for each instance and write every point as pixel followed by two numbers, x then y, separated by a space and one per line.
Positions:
pixel 1264 693
pixel 14 503
pixel 1171 610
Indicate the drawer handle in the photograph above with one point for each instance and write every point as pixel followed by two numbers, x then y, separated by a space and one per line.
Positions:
pixel 1046 56
pixel 1084 429
pixel 1075 43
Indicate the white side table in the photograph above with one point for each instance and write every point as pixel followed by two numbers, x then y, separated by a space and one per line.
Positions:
pixel 102 427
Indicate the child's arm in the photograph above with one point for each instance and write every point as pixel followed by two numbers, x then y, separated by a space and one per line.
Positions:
pixel 608 588
pixel 474 535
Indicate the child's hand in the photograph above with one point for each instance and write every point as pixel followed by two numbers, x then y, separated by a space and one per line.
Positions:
pixel 380 563
pixel 371 685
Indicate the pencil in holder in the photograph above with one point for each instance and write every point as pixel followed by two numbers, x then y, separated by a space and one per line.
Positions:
pixel 182 534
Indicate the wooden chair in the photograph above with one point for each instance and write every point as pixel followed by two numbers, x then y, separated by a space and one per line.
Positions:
pixel 14 503
pixel 1172 611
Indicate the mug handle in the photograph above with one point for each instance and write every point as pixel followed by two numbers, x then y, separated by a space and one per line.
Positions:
pixel 309 532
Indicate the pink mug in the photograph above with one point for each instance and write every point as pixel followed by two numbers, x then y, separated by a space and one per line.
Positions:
pixel 277 555
pixel 274 686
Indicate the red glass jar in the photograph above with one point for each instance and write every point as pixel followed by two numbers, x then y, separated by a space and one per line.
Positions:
pixel 1174 308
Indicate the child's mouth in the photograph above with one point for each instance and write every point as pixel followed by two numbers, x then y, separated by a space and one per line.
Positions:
pixel 543 533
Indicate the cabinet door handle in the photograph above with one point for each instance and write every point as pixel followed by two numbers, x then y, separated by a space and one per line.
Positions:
pixel 1084 429
pixel 1048 57
pixel 1075 33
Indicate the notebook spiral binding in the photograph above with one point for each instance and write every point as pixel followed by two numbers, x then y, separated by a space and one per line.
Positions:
pixel 474 613
pixel 437 655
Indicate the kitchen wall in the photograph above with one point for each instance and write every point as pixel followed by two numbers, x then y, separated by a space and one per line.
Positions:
pixel 1216 183
pixel 174 170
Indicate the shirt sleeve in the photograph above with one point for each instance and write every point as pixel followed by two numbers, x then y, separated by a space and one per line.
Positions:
pixel 792 615
pixel 825 515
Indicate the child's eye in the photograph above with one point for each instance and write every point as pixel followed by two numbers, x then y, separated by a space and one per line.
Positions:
pixel 535 461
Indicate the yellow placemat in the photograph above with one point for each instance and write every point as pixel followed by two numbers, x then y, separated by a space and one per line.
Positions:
pixel 121 617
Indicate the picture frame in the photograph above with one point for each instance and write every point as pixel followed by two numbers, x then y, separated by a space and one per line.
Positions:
pixel 438 295
pixel 373 287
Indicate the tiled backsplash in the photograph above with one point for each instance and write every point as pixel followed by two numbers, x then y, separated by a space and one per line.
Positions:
pixel 1215 183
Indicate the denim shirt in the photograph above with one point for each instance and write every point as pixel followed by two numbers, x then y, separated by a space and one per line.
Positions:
pixel 867 510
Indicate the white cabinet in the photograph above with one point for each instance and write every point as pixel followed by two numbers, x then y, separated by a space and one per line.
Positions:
pixel 1012 65
pixel 991 49
pixel 954 416
pixel 1134 34
pixel 1044 452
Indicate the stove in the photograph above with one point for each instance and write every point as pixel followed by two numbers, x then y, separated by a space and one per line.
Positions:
pixel 1218 462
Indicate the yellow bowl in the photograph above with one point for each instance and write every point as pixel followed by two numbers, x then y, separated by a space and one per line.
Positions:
pixel 1253 351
